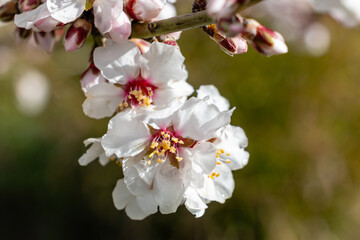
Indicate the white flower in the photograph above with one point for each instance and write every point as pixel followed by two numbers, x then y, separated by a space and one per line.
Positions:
pixel 109 16
pixel 229 151
pixel 148 82
pixel 160 161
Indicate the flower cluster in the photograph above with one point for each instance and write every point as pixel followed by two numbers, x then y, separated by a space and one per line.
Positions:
pixel 173 150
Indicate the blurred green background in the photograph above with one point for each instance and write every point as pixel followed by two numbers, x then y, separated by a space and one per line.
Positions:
pixel 300 113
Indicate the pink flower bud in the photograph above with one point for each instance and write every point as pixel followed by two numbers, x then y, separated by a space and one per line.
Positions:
pixel 76 35
pixel 144 10
pixel 91 77
pixel 27 5
pixel 231 46
pixel 169 39
pixel 8 11
pixel 141 44
pixel 46 40
pixel 121 28
pixel 264 40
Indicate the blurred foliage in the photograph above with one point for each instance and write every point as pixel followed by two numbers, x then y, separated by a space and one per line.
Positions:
pixel 301 115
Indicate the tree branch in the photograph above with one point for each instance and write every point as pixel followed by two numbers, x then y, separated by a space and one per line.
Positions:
pixel 178 23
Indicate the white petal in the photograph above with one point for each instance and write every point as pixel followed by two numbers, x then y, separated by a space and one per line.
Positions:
pixel 234 141
pixel 29 18
pixel 102 100
pixel 126 137
pixel 168 188
pixel 94 151
pixel 165 64
pixel 205 156
pixel 105 12
pixel 199 120
pixel 118 62
pixel 214 96
pixel 121 195
pixel 66 11
pixel 136 185
pixel 178 91
pixel 134 211
pixel 147 203
pixel 194 203
pixel 220 188
pixel 121 28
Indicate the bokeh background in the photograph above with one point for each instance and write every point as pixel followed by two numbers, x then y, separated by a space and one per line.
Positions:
pixel 300 112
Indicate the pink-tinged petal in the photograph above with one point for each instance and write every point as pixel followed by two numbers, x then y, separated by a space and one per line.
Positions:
pixel 76 35
pixel 102 100
pixel 144 10
pixel 165 64
pixel 66 11
pixel 213 97
pixel 102 15
pixel 118 62
pixel 28 19
pixel 27 5
pixel 126 136
pixel 121 28
pixel 91 77
pixel 47 24
pixel 121 195
pixel 45 40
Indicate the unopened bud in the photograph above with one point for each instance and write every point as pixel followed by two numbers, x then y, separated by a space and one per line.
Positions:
pixel 264 40
pixel 8 11
pixel 91 77
pixel 231 46
pixel 46 40
pixel 144 10
pixel 27 5
pixel 121 28
pixel 169 40
pixel 76 35
pixel 22 34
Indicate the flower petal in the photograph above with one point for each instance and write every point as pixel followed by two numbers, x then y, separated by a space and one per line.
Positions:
pixel 214 96
pixel 66 11
pixel 102 100
pixel 118 62
pixel 121 195
pixel 94 151
pixel 165 64
pixel 126 137
pixel 134 211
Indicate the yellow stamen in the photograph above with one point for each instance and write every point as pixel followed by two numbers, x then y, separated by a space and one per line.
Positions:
pixel 172 149
pixel 179 158
pixel 181 142
pixel 149 162
pixel 174 139
pixel 166 144
pixel 228 161
pixel 218 163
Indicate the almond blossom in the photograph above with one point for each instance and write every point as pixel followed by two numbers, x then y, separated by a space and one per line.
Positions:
pixel 109 16
pixel 137 82
pixel 160 158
